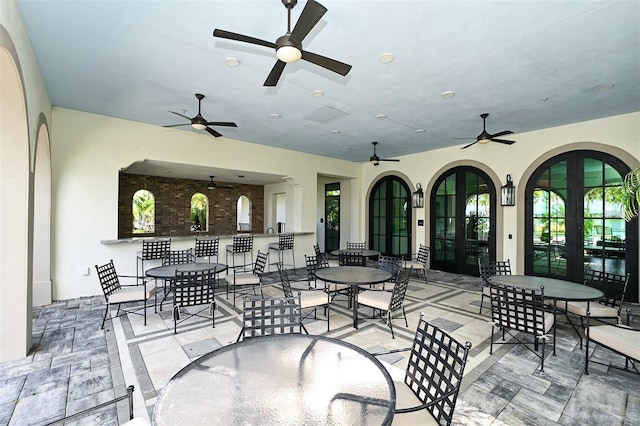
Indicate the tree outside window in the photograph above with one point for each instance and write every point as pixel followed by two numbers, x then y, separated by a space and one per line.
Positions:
pixel 199 205
pixel 144 209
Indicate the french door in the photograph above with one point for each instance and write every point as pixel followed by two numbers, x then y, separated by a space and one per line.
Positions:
pixel 332 217
pixel 390 217
pixel 462 220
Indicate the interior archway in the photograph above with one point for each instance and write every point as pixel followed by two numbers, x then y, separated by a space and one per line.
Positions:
pixel 42 290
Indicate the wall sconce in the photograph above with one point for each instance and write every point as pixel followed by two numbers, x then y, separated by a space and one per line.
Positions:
pixel 508 193
pixel 418 197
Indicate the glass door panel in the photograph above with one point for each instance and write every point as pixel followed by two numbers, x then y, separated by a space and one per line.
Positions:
pixel 390 217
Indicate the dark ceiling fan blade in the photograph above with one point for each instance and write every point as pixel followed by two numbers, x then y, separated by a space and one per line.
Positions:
pixel 274 75
pixel 181 115
pixel 213 132
pixel 503 141
pixel 311 14
pixel 328 63
pixel 467 146
pixel 239 37
pixel 176 125
pixel 221 123
pixel 388 159
pixel 506 132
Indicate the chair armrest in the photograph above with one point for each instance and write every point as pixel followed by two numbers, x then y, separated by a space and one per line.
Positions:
pixel 392 351
pixel 145 280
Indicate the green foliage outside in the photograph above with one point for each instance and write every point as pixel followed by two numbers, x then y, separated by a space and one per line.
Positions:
pixel 199 203
pixel 144 206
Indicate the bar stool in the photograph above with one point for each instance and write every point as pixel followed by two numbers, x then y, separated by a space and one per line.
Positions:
pixel 242 244
pixel 151 250
pixel 207 247
pixel 285 242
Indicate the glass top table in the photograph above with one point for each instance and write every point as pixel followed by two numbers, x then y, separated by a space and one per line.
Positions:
pixel 365 253
pixel 355 276
pixel 168 272
pixel 287 379
pixel 553 288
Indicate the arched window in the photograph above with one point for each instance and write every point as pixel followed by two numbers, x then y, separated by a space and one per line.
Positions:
pixel 199 212
pixel 144 210
pixel 244 213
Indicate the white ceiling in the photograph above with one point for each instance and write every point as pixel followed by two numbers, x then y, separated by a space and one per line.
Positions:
pixel 530 64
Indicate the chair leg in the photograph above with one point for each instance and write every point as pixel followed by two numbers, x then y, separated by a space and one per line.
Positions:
pixel 104 318
pixel 481 301
pixel 566 314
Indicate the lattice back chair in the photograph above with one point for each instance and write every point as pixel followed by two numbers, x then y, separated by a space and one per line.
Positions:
pixel 614 287
pixel 247 280
pixel 270 316
pixel 207 248
pixel 193 288
pixel 488 269
pixel 351 258
pixel 178 257
pixel 285 243
pixel 386 302
pixel 356 246
pixel 390 264
pixel 308 298
pixel 420 263
pixel 515 309
pixel 314 263
pixel 152 250
pixel 433 377
pixel 242 244
pixel 320 255
pixel 117 294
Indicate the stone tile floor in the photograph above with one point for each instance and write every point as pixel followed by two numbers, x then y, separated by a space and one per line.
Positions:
pixel 75 365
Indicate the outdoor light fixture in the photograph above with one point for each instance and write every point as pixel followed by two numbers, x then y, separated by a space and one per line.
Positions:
pixel 418 197
pixel 212 184
pixel 508 193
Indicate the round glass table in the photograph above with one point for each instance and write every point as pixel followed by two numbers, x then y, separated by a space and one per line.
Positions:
pixel 553 288
pixel 287 379
pixel 355 276
pixel 365 253
pixel 168 272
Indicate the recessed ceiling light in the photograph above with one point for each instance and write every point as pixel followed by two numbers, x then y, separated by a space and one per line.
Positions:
pixel 385 58
pixel 317 93
pixel 419 130
pixel 448 94
pixel 381 116
pixel 335 131
pixel 231 61
pixel 275 115
pixel 602 87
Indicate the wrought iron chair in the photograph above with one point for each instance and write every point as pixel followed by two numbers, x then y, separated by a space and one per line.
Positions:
pixel 390 264
pixel 515 309
pixel 497 267
pixel 151 250
pixel 117 294
pixel 314 263
pixel 420 263
pixel 386 301
pixel 308 298
pixel 193 288
pixel 351 258
pixel 356 246
pixel 248 280
pixel 614 287
pixel 175 257
pixel 285 243
pixel 266 317
pixel 320 255
pixel 207 248
pixel 433 377
pixel 620 339
pixel 242 244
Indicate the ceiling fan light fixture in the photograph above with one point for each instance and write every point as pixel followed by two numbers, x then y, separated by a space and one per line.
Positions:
pixel 198 126
pixel 484 141
pixel 288 54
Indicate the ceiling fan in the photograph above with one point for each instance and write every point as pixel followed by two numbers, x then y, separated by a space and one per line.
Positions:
pixel 289 46
pixel 198 122
pixel 213 185
pixel 375 159
pixel 486 137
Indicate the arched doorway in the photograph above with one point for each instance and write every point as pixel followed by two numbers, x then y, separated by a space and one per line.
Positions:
pixel 574 220
pixel 390 217
pixel 462 221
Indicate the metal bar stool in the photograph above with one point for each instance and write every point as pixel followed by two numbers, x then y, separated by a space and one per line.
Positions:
pixel 207 247
pixel 285 242
pixel 242 244
pixel 151 250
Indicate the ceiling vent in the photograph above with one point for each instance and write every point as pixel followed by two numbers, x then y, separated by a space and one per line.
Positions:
pixel 325 115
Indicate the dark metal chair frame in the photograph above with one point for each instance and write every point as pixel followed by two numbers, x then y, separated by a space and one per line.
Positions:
pixel 258 271
pixel 207 247
pixel 193 288
pixel 422 258
pixel 288 292
pixel 84 413
pixel 352 258
pixel 285 242
pixel 392 264
pixel 486 270
pixel 434 371
pixel 242 244
pixel 313 263
pixel 627 359
pixel 110 283
pixel 175 257
pixel 356 246
pixel 151 250
pixel 270 316
pixel 516 309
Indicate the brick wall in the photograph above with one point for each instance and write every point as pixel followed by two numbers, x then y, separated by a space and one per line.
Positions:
pixel 173 205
